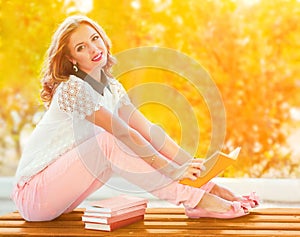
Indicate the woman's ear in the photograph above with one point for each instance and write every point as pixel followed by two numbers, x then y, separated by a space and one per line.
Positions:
pixel 71 60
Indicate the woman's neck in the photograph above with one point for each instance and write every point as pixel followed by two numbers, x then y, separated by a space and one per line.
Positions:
pixel 99 84
pixel 96 75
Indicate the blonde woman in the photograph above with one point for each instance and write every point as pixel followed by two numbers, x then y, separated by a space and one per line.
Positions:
pixel 91 130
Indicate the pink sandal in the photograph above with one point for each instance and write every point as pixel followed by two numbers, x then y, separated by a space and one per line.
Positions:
pixel 237 210
pixel 252 199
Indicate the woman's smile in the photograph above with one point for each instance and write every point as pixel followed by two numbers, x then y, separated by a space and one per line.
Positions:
pixel 98 57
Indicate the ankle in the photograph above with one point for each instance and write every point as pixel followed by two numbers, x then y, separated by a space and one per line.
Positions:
pixel 214 203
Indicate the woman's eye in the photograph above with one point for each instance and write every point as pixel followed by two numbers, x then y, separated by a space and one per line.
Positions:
pixel 95 37
pixel 80 48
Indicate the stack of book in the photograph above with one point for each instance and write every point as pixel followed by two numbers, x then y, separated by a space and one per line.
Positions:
pixel 113 213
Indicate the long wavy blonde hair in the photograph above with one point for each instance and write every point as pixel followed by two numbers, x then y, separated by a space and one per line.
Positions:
pixel 57 67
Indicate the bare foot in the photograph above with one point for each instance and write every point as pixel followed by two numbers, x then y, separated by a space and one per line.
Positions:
pixel 224 193
pixel 214 203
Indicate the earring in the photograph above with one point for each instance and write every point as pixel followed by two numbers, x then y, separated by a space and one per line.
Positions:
pixel 75 68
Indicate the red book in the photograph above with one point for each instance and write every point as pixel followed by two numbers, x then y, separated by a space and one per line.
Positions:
pixel 116 203
pixel 110 220
pixel 113 226
pixel 96 213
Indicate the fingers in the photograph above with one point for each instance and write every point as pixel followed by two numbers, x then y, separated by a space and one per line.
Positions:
pixel 198 160
pixel 193 171
pixel 198 165
pixel 190 176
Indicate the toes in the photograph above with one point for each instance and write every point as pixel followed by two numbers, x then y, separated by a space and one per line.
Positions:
pixel 252 199
pixel 238 206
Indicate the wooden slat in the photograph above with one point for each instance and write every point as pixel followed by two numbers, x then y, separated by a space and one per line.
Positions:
pixel 75 215
pixel 144 232
pixel 48 224
pixel 161 224
pixel 164 222
pixel 276 211
pixel 252 217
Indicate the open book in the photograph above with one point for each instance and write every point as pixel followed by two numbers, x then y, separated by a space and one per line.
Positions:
pixel 214 165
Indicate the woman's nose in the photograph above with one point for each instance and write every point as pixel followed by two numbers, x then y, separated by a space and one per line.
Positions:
pixel 92 48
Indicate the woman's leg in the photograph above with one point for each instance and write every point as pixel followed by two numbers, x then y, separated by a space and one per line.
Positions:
pixel 70 179
pixel 134 169
pixel 64 184
pixel 128 165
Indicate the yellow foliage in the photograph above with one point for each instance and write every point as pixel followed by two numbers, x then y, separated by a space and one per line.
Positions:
pixel 251 50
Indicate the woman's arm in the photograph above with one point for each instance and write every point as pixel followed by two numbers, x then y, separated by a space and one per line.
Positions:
pixel 154 134
pixel 137 143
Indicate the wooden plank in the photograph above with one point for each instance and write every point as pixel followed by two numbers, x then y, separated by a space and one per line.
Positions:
pixel 182 217
pixel 145 232
pixel 170 210
pixel 217 225
pixel 220 224
pixel 46 224
pixel 250 217
pixel 11 216
pixel 256 211
pixel 276 211
pixel 75 215
pixel 225 225
pixel 164 222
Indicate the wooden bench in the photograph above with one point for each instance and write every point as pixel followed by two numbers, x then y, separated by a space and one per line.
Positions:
pixel 164 222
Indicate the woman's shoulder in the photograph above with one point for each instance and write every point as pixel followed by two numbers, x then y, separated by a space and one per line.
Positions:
pixel 75 86
pixel 73 78
pixel 74 81
pixel 114 82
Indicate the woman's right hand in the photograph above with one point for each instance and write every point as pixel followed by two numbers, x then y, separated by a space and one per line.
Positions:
pixel 191 170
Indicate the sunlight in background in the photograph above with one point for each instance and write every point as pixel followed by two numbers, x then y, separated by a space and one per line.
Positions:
pixel 82 6
pixel 135 4
pixel 250 48
pixel 248 2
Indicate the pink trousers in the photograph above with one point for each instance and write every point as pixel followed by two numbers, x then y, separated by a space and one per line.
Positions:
pixel 71 178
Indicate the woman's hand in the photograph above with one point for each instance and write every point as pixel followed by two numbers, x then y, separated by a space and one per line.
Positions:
pixel 191 170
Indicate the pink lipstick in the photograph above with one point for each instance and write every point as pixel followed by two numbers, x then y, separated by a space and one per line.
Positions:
pixel 97 58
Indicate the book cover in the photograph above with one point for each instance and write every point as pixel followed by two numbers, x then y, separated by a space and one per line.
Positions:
pixel 214 165
pixel 110 220
pixel 116 203
pixel 113 226
pixel 96 213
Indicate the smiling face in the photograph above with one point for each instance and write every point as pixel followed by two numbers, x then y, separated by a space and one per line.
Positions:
pixel 87 49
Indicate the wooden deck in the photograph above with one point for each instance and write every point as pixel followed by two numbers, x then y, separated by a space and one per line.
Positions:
pixel 164 222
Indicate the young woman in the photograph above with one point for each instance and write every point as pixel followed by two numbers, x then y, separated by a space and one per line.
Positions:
pixel 91 130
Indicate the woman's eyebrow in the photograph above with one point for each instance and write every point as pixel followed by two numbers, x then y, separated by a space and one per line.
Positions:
pixel 77 44
pixel 93 35
pixel 83 42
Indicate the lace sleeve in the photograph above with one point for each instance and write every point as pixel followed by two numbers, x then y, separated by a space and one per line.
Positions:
pixel 78 98
pixel 121 94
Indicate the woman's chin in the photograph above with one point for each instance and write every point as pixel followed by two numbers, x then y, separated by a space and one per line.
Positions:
pixel 99 66
pixel 94 69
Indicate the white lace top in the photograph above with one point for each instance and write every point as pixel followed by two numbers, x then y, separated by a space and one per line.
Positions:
pixel 64 124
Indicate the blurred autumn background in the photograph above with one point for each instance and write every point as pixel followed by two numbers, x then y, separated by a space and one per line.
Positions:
pixel 250 48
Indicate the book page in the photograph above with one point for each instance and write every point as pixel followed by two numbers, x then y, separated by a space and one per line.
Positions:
pixel 211 161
